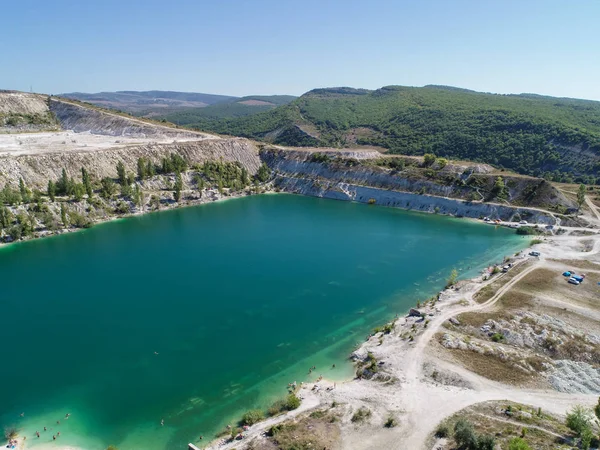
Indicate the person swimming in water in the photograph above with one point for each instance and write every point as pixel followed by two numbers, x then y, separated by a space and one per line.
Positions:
pixel 162 422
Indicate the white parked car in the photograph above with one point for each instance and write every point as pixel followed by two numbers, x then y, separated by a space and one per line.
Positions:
pixel 573 281
pixel 523 222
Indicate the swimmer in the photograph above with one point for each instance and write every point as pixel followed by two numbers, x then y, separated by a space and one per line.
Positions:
pixel 162 422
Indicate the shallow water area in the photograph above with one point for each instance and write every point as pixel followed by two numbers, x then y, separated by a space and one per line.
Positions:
pixel 198 314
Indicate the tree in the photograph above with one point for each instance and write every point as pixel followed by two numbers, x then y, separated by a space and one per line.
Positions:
pixel 597 410
pixel 26 223
pixel 64 186
pixel 518 444
pixel 442 162
pixel 486 442
pixel 244 177
pixel 253 416
pixel 63 216
pixel 499 189
pixel 51 190
pixel 579 419
pixel 464 434
pixel 78 192
pixel 142 168
pixel 25 193
pixel 452 278
pixel 138 196
pixel 428 159
pixel 581 195
pixel 121 173
pixel 263 173
pixel 87 184
pixel 292 402
pixel 178 187
pixel 10 195
pixel 107 188
pixel 6 217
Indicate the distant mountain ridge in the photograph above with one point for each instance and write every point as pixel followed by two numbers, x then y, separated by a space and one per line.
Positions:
pixel 184 108
pixel 136 102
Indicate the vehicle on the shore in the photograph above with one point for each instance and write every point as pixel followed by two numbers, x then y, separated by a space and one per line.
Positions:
pixel 523 222
pixel 534 253
pixel 572 280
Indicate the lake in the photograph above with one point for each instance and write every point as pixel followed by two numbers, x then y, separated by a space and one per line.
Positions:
pixel 198 314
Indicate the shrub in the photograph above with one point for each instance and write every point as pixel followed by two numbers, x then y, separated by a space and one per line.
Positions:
pixel 361 414
pixel 464 434
pixel 535 241
pixel 518 444
pixel 253 416
pixel 428 159
pixel 390 422
pixel 442 431
pixel 586 438
pixel 497 337
pixel 11 433
pixel 578 419
pixel 452 278
pixel 486 442
pixel 292 402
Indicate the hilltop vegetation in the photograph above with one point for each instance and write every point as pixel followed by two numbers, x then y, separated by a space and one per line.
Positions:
pixel 245 106
pixel 182 108
pixel 554 138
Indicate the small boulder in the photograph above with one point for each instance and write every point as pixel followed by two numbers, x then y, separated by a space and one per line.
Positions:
pixel 454 321
pixel 414 313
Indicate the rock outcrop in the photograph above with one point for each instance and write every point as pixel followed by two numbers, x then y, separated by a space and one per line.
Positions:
pixel 455 190
pixel 36 170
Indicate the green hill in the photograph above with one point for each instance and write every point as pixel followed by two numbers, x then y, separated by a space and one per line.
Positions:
pixel 557 138
pixel 238 107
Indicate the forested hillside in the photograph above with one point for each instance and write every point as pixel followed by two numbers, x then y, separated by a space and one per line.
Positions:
pixel 556 138
pixel 238 107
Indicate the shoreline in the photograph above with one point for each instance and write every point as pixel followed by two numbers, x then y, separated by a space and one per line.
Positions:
pixel 145 212
pixel 422 402
pixel 402 320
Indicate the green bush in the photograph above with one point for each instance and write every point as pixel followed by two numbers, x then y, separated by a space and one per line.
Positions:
pixel 518 444
pixel 486 442
pixel 498 337
pixel 578 419
pixel 464 435
pixel 253 416
pixel 390 422
pixel 442 431
pixel 292 402
pixel 361 414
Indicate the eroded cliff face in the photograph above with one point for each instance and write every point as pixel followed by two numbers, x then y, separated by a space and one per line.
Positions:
pixel 454 190
pixel 37 169
pixel 83 119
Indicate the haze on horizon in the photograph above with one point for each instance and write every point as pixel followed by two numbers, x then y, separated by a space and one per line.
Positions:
pixel 547 47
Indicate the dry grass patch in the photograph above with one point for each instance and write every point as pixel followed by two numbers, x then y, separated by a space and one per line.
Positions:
pixel 508 420
pixel 487 292
pixel 317 431
pixel 553 284
pixel 578 264
pixel 496 369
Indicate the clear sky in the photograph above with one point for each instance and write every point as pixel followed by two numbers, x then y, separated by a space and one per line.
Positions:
pixel 246 47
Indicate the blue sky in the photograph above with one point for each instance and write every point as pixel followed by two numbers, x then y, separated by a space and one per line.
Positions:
pixel 289 47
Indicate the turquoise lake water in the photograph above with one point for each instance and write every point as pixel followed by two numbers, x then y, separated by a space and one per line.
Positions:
pixel 238 298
